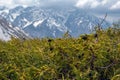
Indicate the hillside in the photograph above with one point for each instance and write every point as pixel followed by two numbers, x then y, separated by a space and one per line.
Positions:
pixel 90 57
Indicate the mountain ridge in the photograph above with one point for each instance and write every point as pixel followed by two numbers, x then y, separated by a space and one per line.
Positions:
pixel 52 22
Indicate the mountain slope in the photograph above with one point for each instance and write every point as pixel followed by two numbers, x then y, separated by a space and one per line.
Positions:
pixel 7 30
pixel 53 22
pixel 4 35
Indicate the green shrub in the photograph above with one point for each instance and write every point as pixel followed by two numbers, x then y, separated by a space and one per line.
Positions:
pixel 89 57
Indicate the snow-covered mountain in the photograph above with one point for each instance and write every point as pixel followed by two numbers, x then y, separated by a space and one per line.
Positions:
pixel 7 31
pixel 51 22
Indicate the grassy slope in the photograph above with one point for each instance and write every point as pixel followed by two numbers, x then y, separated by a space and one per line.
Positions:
pixel 89 57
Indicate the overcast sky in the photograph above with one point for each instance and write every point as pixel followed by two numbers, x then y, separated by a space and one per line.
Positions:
pixel 97 7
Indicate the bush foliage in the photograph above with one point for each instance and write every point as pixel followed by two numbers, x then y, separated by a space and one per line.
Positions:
pixel 90 57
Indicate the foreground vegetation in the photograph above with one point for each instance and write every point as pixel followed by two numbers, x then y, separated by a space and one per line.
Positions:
pixel 90 57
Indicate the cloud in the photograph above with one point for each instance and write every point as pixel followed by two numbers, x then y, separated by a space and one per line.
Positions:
pixel 91 3
pixel 23 2
pixel 6 3
pixel 62 3
pixel 94 6
pixel 13 3
pixel 115 6
pixel 101 7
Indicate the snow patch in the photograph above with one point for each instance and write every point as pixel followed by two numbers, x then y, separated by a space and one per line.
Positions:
pixel 4 35
pixel 38 23
pixel 79 22
pixel 15 15
pixel 16 28
pixel 53 23
pixel 90 26
pixel 27 23
pixel 54 33
pixel 5 11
